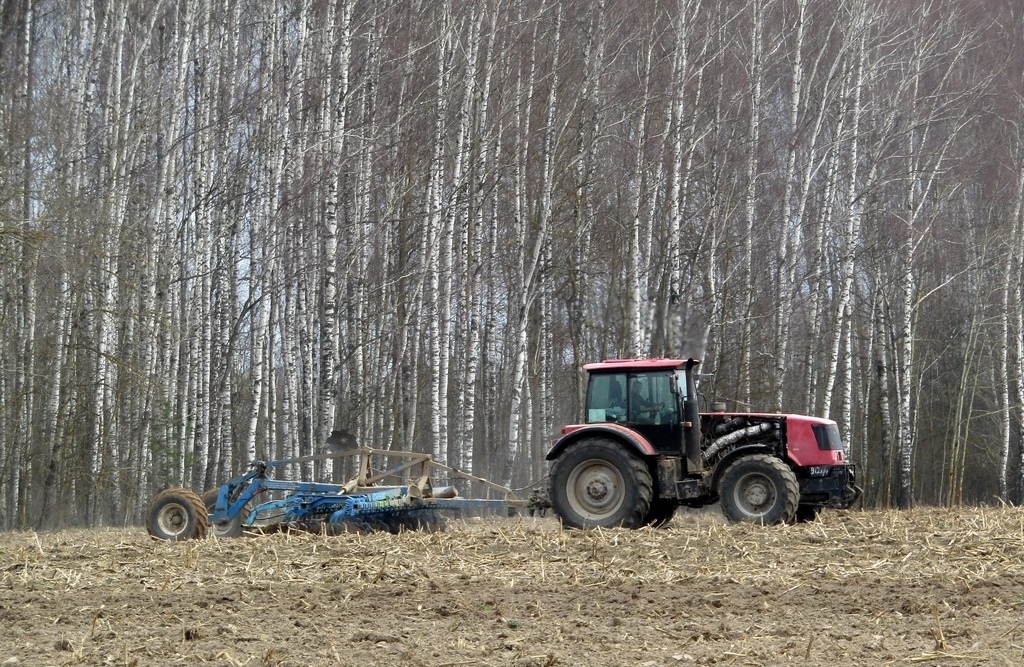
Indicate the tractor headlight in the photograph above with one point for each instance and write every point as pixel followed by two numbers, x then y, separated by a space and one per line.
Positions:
pixel 819 471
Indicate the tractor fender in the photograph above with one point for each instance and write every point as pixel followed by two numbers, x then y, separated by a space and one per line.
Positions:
pixel 739 452
pixel 617 432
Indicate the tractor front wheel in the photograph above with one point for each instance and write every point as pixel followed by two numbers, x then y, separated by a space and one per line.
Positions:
pixel 176 515
pixel 600 483
pixel 759 489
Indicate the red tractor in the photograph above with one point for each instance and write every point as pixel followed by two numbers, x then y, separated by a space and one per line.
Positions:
pixel 645 449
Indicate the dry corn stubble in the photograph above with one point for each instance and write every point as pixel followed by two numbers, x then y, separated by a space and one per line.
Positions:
pixel 927 586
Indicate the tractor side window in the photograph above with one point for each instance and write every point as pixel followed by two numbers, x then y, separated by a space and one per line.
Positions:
pixel 680 381
pixel 606 398
pixel 661 389
pixel 651 400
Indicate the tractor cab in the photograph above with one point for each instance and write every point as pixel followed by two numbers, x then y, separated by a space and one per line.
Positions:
pixel 647 400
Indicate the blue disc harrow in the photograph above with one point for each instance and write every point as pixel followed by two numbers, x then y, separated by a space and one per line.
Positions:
pixel 259 502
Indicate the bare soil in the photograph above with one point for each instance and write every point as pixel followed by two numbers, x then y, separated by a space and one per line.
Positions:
pixel 926 587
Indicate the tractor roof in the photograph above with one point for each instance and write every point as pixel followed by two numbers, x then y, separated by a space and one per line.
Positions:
pixel 625 365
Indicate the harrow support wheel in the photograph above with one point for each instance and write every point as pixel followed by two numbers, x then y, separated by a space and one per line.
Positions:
pixel 599 483
pixel 759 489
pixel 233 528
pixel 176 515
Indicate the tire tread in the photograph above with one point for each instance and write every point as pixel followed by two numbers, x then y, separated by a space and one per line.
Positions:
pixel 186 496
pixel 791 487
pixel 609 450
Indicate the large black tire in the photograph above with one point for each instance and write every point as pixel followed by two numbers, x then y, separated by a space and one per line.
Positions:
pixel 661 512
pixel 600 483
pixel 232 528
pixel 176 515
pixel 759 489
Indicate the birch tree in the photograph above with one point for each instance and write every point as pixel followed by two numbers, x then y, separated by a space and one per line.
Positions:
pixel 253 215
pixel 928 150
pixel 533 240
pixel 339 45
pixel 756 67
pixel 638 257
pixel 804 159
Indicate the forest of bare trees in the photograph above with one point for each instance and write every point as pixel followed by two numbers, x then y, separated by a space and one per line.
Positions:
pixel 228 227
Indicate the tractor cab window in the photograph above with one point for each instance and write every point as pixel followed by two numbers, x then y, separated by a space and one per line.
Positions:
pixel 606 398
pixel 680 381
pixel 652 399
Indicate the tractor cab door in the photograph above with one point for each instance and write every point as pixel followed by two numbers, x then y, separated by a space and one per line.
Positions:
pixel 653 409
pixel 606 398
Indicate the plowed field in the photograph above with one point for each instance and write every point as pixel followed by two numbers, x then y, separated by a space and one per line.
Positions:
pixel 854 588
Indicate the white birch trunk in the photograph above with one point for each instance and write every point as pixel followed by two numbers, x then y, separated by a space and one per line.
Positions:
pixel 290 403
pixel 372 363
pixel 226 251
pixel 476 240
pixel 52 412
pixel 1015 326
pixel 853 212
pixel 202 293
pixel 26 361
pixel 882 367
pixel 119 109
pixel 336 116
pixel 524 106
pixel 923 168
pixel 685 334
pixel 369 362
pixel 532 268
pixel 750 207
pixel 439 235
pixel 461 226
pixel 1003 369
pixel 587 134
pixel 637 269
pixel 791 236
pixel 1018 365
pixel 158 297
pixel 546 380
pixel 263 252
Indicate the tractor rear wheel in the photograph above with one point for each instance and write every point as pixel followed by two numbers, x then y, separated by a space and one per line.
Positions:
pixel 233 527
pixel 176 515
pixel 759 489
pixel 600 483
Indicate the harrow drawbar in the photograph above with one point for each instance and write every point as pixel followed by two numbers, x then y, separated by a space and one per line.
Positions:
pixel 363 504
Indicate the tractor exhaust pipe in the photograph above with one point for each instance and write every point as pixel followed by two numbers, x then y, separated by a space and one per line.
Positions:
pixel 691 423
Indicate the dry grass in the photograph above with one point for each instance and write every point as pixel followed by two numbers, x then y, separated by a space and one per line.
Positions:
pixel 928 586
